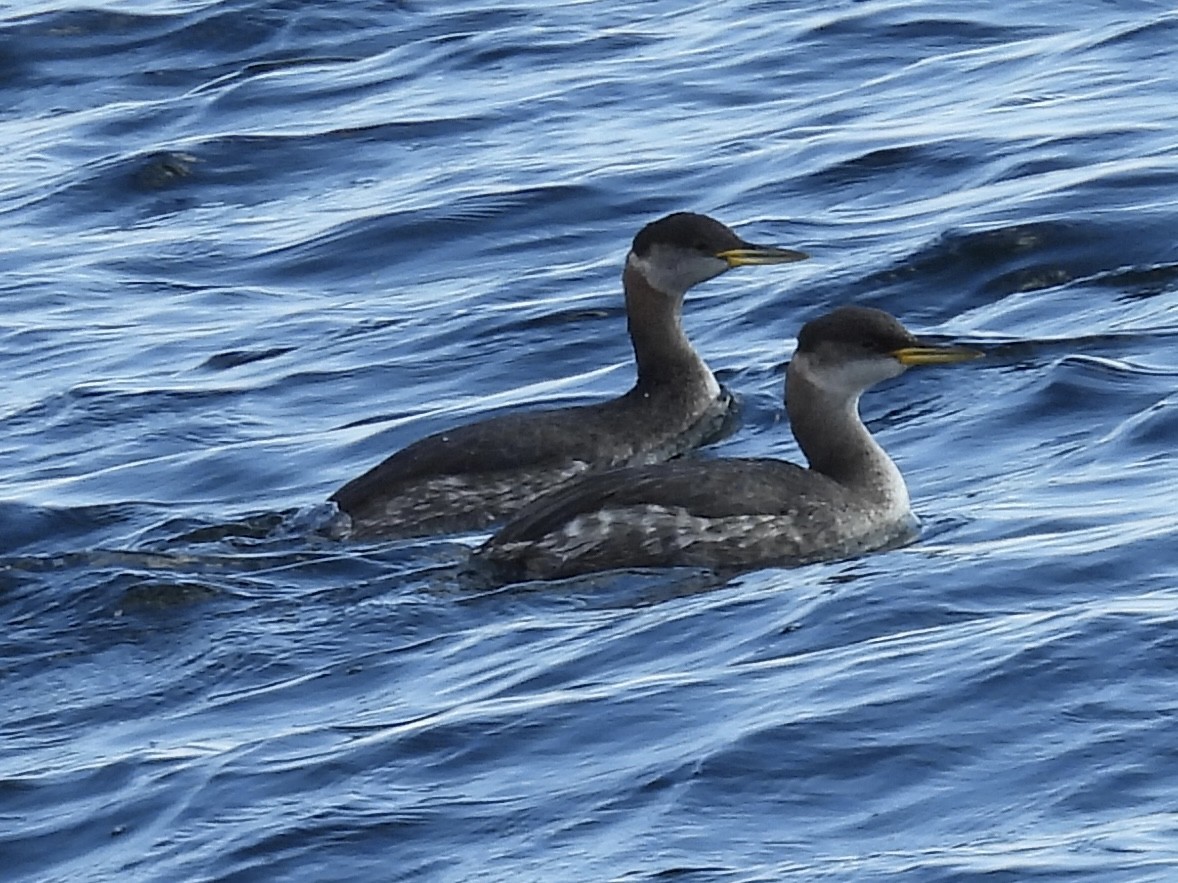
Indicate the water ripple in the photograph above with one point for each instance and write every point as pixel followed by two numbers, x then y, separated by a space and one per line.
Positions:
pixel 276 241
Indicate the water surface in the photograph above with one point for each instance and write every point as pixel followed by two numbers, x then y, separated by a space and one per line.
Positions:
pixel 250 247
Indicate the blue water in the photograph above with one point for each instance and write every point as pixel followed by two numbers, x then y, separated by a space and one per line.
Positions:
pixel 250 247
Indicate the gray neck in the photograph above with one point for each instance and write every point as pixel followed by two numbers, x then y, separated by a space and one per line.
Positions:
pixel 831 434
pixel 665 357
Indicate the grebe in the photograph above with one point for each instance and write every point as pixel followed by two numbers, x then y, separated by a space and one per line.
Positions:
pixel 473 475
pixel 745 513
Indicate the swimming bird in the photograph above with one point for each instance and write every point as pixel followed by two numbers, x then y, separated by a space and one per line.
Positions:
pixel 739 514
pixel 473 475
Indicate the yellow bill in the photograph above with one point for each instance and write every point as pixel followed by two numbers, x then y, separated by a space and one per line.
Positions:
pixel 935 355
pixel 753 255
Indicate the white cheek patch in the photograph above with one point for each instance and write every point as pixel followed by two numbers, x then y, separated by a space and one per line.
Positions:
pixel 848 379
pixel 675 274
pixel 650 271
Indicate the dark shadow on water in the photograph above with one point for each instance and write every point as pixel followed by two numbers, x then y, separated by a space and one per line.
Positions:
pixel 621 588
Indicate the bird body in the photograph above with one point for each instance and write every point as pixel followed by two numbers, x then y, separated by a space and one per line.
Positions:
pixel 469 477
